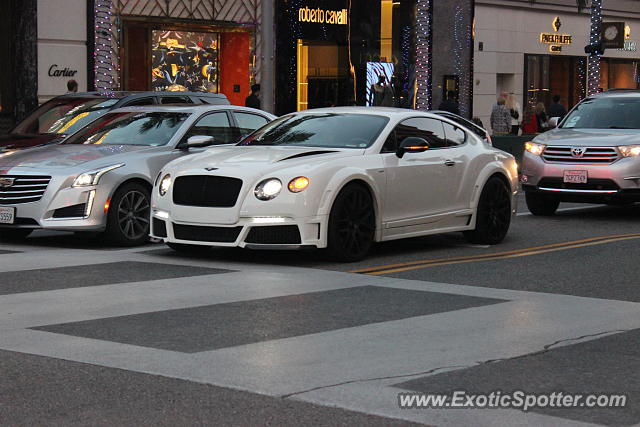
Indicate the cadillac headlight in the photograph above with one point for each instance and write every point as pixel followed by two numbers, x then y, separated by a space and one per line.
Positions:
pixel 534 148
pixel 165 185
pixel 93 177
pixel 268 189
pixel 629 150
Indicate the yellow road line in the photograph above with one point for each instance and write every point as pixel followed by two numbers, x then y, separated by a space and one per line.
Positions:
pixel 414 265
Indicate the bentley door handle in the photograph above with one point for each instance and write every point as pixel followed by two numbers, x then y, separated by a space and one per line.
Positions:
pixel 449 162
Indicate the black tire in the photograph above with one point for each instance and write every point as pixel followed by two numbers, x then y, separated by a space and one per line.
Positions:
pixel 541 204
pixel 14 234
pixel 184 248
pixel 128 217
pixel 352 224
pixel 493 215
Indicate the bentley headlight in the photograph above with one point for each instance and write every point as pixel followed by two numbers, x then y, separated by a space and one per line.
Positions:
pixel 268 189
pixel 629 150
pixel 296 185
pixel 93 177
pixel 165 185
pixel 534 148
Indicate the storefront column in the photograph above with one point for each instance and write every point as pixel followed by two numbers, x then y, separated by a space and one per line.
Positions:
pixel 267 76
pixel 25 57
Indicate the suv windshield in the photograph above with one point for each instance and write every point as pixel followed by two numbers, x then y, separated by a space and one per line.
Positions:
pixel 64 116
pixel 320 130
pixel 134 128
pixel 605 113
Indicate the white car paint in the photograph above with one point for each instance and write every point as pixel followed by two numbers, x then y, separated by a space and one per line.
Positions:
pixel 415 195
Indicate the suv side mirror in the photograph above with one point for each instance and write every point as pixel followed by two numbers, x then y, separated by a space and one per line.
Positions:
pixel 412 144
pixel 198 141
pixel 553 122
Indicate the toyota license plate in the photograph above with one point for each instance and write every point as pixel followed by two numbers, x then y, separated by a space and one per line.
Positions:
pixel 7 215
pixel 575 177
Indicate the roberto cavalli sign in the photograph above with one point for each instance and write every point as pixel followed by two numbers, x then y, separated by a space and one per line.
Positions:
pixel 323 16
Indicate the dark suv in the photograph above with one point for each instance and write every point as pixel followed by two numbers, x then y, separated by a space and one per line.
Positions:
pixel 63 115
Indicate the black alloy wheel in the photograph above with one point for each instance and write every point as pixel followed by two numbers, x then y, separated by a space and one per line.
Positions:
pixel 352 224
pixel 128 217
pixel 493 216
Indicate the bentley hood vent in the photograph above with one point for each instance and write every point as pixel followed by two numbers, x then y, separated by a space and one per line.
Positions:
pixel 308 153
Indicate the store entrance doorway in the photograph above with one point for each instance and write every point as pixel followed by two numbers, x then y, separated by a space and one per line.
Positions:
pixel 323 75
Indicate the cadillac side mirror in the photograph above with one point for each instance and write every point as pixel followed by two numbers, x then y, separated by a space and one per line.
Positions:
pixel 412 144
pixel 199 141
pixel 553 122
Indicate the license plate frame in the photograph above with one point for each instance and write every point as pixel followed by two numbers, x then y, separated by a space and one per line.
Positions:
pixel 7 215
pixel 575 177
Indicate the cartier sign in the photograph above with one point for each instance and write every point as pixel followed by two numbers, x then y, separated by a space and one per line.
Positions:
pixel 56 71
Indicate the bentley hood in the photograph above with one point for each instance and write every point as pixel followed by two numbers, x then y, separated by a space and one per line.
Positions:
pixel 259 159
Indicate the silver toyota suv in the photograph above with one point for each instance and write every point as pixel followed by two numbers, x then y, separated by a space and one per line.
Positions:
pixel 593 156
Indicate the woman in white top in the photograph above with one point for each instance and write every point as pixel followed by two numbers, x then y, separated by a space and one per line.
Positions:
pixel 516 113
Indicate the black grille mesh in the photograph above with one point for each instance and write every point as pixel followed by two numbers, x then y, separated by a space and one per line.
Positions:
pixel 206 234
pixel 206 191
pixel 274 235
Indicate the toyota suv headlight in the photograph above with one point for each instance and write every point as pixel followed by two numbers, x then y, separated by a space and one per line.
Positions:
pixel 534 148
pixel 629 150
pixel 93 177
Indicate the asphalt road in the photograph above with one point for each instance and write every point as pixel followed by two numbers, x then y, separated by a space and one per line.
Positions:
pixel 105 336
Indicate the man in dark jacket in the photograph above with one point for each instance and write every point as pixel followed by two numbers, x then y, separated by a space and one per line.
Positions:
pixel 450 103
pixel 253 100
pixel 556 109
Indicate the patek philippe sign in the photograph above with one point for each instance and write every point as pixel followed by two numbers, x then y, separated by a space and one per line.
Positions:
pixel 58 71
pixel 323 16
pixel 556 40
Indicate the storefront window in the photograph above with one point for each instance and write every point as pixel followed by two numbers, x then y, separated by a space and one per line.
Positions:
pixel 565 76
pixel 547 76
pixel 619 74
pixel 344 52
pixel 184 61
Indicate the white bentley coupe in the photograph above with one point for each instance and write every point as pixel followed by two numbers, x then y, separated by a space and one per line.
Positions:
pixel 340 179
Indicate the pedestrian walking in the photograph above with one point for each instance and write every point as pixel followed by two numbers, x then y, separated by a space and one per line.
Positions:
pixel 556 109
pixel 516 113
pixel 500 118
pixel 253 100
pixel 450 104
pixel 541 116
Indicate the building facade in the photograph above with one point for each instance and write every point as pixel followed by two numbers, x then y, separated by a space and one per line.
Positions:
pixel 205 45
pixel 398 53
pixel 535 50
pixel 209 45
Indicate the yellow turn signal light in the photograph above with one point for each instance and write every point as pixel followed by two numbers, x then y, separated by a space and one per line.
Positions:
pixel 298 184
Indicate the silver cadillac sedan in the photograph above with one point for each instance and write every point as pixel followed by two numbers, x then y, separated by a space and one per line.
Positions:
pixel 99 179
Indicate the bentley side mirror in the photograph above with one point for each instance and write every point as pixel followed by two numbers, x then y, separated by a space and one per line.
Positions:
pixel 553 122
pixel 412 144
pixel 199 141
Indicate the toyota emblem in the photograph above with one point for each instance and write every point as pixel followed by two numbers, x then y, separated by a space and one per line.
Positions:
pixel 6 183
pixel 578 152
